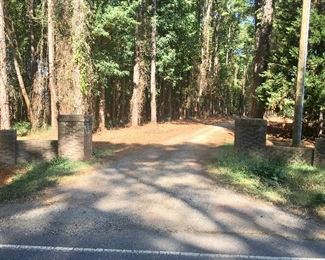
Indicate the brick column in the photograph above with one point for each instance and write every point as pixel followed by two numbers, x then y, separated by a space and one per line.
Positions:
pixel 319 155
pixel 250 134
pixel 75 137
pixel 8 140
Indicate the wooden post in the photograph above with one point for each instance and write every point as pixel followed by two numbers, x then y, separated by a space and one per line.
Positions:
pixel 300 87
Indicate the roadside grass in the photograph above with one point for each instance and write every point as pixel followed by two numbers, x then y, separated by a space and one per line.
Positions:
pixel 102 153
pixel 44 133
pixel 299 186
pixel 34 177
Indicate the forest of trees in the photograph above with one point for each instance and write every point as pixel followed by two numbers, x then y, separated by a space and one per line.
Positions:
pixel 135 61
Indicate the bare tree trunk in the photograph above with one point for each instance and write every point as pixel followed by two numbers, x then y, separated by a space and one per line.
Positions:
pixel 81 69
pixel 139 83
pixel 102 109
pixel 38 94
pixel 33 54
pixel 38 97
pixel 17 58
pixel 23 90
pixel 4 99
pixel 51 57
pixel 300 87
pixel 114 100
pixel 153 63
pixel 243 93
pixel 162 100
pixel 321 124
pixel 264 9
pixel 170 102
pixel 123 103
pixel 78 23
pixel 204 69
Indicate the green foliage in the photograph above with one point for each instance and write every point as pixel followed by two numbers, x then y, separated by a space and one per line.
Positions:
pixel 279 88
pixel 112 33
pixel 37 176
pixel 23 128
pixel 105 54
pixel 82 50
pixel 178 34
pixel 296 185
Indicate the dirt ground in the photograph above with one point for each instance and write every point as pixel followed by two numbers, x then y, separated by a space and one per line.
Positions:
pixel 145 134
pixel 159 196
pixel 279 132
pixel 123 139
pixel 117 141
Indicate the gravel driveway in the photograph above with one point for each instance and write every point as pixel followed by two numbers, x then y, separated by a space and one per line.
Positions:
pixel 156 197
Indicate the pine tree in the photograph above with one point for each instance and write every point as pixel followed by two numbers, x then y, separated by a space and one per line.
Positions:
pixel 51 58
pixel 153 83
pixel 263 20
pixel 4 99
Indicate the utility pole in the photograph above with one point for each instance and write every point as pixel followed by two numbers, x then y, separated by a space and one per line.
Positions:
pixel 300 87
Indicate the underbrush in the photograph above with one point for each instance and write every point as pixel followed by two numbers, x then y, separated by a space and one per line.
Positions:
pixel 296 185
pixel 22 128
pixel 34 177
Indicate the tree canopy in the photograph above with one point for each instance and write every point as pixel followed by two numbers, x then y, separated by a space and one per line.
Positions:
pixel 210 57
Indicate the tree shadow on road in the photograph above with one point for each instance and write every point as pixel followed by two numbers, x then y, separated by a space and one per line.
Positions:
pixel 157 198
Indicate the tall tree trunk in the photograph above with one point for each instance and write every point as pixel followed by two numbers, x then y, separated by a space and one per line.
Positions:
pixel 123 103
pixel 102 109
pixel 39 94
pixel 23 90
pixel 263 24
pixel 153 63
pixel 243 93
pixel 204 70
pixel 78 30
pixel 321 124
pixel 162 99
pixel 11 37
pixel 300 87
pixel 51 57
pixel 170 102
pixel 139 83
pixel 4 99
pixel 33 54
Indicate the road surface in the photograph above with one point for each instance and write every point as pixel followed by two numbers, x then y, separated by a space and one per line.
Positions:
pixel 155 202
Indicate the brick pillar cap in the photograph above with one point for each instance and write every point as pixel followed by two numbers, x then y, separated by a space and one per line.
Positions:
pixel 8 132
pixel 250 121
pixel 74 118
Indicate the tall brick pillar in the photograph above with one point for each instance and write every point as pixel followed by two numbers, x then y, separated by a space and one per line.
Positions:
pixel 319 156
pixel 8 140
pixel 250 134
pixel 75 137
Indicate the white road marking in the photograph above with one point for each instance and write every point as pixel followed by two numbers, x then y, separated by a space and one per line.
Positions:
pixel 144 252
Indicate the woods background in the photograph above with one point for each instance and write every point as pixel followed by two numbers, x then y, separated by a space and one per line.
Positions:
pixel 147 60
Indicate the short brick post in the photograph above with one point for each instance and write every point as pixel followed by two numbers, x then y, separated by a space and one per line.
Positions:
pixel 319 155
pixel 250 134
pixel 75 137
pixel 8 140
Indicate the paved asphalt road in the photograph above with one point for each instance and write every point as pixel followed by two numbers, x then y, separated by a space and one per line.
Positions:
pixel 157 203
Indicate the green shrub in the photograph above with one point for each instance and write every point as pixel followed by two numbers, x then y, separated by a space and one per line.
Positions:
pixel 22 128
